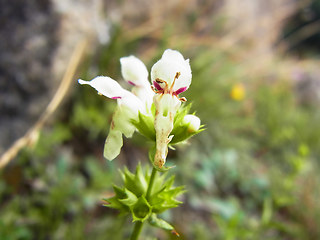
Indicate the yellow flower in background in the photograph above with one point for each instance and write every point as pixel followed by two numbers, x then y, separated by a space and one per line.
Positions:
pixel 238 92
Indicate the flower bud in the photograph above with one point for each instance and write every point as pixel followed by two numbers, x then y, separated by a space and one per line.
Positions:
pixel 193 121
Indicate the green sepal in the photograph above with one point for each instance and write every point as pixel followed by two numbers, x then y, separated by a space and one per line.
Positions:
pixel 145 125
pixel 183 110
pixel 141 210
pixel 160 223
pixel 181 133
pixel 180 129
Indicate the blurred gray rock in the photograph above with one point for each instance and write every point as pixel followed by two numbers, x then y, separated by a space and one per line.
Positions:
pixel 37 38
pixel 27 41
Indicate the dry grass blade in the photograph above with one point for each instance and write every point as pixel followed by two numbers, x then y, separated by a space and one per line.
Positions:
pixel 31 136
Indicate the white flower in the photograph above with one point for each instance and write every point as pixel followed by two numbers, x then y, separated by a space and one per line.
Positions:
pixel 172 73
pixel 170 76
pixel 129 103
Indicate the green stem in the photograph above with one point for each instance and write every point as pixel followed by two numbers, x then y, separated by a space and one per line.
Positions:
pixel 138 225
pixel 151 181
pixel 136 230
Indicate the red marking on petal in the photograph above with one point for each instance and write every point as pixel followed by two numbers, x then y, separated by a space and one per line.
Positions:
pixel 180 90
pixel 131 83
pixel 157 86
pixel 116 97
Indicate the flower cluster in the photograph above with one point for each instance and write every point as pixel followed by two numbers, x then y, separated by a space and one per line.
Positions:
pixel 154 110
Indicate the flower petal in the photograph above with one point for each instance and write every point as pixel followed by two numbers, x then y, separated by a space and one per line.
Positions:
pixel 113 144
pixel 121 124
pixel 122 120
pixel 171 63
pixel 126 111
pixel 145 95
pixel 173 55
pixel 106 86
pixel 134 71
pixel 112 89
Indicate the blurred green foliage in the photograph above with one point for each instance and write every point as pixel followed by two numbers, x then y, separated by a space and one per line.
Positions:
pixel 252 174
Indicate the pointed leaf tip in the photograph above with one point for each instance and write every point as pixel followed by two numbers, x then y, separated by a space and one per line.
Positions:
pixel 106 202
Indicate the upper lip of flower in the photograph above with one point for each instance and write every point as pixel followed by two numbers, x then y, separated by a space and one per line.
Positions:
pixel 171 74
pixel 134 71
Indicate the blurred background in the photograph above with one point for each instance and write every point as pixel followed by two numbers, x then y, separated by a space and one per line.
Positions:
pixel 256 87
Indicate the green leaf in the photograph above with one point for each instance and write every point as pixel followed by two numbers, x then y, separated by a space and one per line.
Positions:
pixel 159 183
pixel 170 182
pixel 131 184
pixel 166 197
pixel 159 223
pixel 120 193
pixel 114 203
pixel 130 199
pixel 140 180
